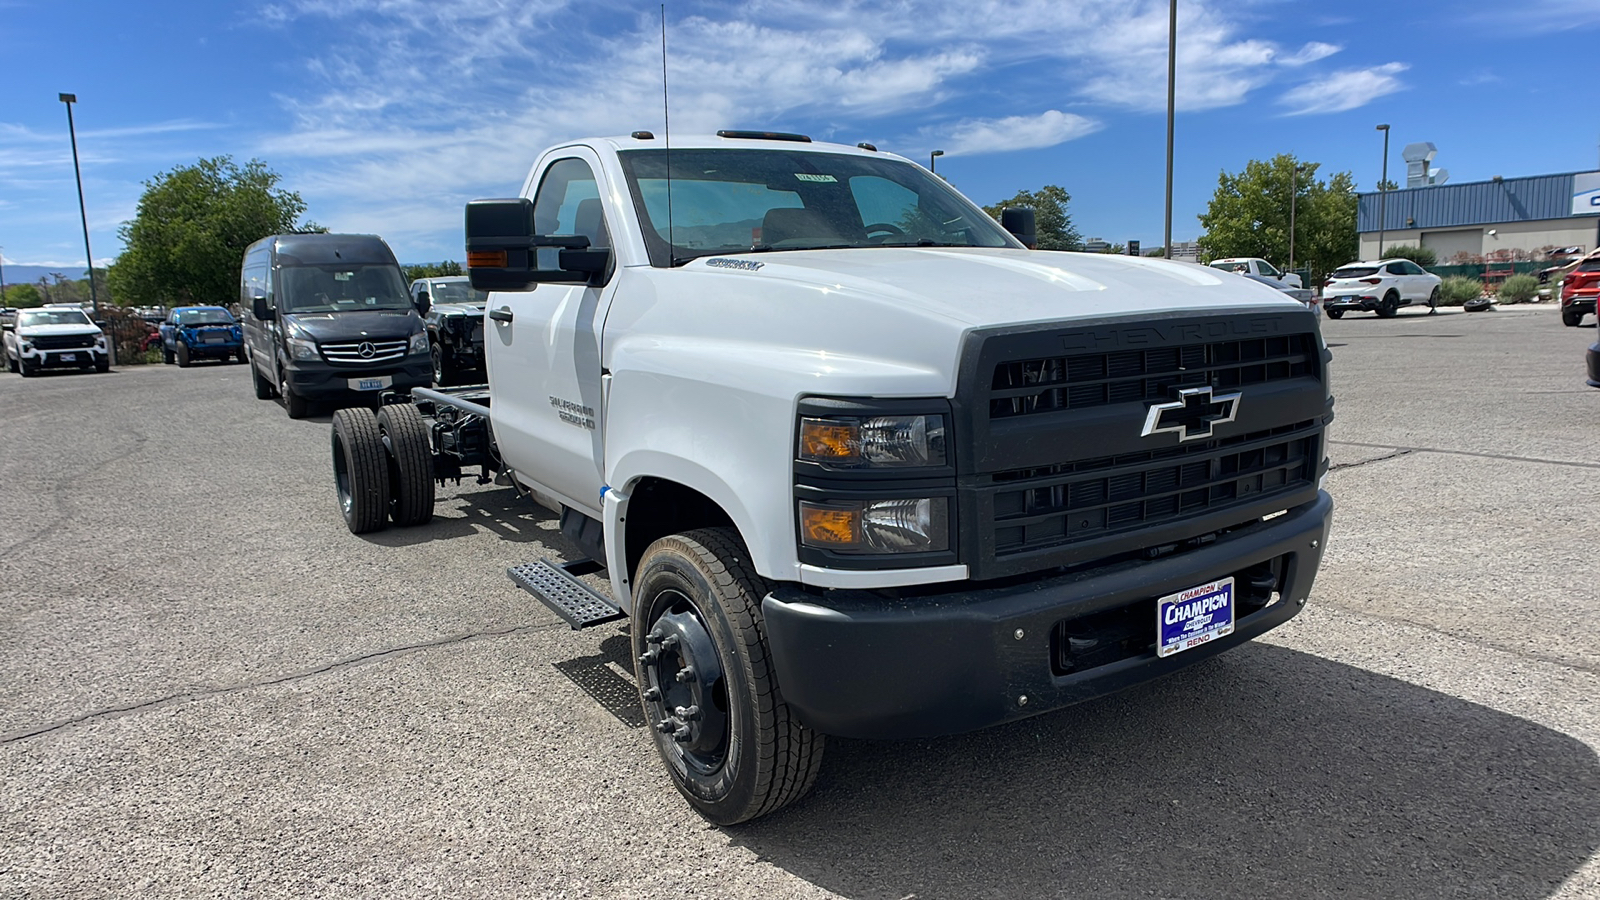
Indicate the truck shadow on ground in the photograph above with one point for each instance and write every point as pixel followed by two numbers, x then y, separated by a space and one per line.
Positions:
pixel 1264 773
pixel 501 511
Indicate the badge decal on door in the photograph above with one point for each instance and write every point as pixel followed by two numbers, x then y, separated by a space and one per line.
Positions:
pixel 574 413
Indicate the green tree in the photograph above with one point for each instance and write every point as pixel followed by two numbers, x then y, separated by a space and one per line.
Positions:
pixel 1422 256
pixel 185 243
pixel 23 296
pixel 1249 216
pixel 433 270
pixel 1050 217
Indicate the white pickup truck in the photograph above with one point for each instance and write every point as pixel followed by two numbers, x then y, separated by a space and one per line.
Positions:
pixel 1251 265
pixel 855 460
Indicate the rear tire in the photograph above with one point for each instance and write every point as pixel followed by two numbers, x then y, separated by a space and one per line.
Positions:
pixel 741 753
pixel 360 471
pixel 1389 307
pixel 1571 317
pixel 410 464
pixel 183 356
pixel 264 389
pixel 1335 313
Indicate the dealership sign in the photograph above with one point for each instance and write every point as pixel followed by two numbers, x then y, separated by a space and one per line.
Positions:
pixel 1586 194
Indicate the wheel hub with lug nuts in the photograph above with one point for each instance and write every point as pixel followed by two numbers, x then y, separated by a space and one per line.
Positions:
pixel 684 690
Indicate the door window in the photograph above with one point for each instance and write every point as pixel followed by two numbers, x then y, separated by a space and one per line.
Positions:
pixel 1267 269
pixel 569 203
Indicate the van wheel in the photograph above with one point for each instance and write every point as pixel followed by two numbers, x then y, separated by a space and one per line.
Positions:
pixel 295 405
pixel 264 389
pixel 360 470
pixel 731 744
pixel 1389 307
pixel 405 436
pixel 183 355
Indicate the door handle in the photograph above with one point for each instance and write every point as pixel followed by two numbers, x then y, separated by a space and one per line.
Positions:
pixel 500 315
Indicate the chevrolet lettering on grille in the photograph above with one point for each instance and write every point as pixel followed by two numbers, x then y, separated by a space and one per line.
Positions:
pixel 1192 415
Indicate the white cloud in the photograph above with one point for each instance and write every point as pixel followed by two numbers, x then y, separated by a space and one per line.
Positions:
pixel 972 137
pixel 1310 53
pixel 1344 90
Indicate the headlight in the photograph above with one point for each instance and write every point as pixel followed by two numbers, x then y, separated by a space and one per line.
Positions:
pixel 877 526
pixel 302 349
pixel 419 342
pixel 873 441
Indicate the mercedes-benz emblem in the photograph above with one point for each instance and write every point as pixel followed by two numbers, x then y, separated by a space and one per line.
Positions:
pixel 366 350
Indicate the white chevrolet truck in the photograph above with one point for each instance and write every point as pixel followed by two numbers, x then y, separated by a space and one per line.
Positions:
pixel 854 459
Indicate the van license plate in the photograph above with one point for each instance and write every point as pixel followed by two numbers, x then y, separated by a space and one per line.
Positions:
pixel 1199 615
pixel 69 357
pixel 370 384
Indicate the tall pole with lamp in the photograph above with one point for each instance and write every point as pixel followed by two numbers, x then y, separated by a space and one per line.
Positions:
pixel 83 213
pixel 931 157
pixel 1172 81
pixel 1383 187
pixel 2 276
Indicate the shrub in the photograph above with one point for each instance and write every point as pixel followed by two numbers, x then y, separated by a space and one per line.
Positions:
pixel 1458 289
pixel 1422 256
pixel 1519 289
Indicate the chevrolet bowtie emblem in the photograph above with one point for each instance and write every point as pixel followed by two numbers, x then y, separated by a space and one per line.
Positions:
pixel 1192 415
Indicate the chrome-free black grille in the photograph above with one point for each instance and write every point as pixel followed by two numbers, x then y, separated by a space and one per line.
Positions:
pixel 1039 508
pixel 62 341
pixel 1084 380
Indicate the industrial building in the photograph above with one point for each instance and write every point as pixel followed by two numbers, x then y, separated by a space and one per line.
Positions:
pixel 1501 219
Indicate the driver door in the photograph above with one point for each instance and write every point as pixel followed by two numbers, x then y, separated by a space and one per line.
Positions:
pixel 544 350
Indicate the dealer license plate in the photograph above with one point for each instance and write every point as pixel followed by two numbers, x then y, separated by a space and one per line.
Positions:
pixel 1345 299
pixel 370 384
pixel 69 357
pixel 1199 615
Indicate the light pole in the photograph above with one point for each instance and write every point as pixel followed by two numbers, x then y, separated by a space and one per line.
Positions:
pixel 1172 81
pixel 2 276
pixel 931 157
pixel 1383 187
pixel 1294 190
pixel 83 213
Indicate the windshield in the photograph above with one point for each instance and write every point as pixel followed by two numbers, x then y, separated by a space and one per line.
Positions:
pixel 1354 272
pixel 52 317
pixel 750 201
pixel 457 292
pixel 342 288
pixel 192 317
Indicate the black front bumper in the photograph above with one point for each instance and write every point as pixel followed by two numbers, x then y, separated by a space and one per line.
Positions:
pixel 318 380
pixel 855 664
pixel 213 350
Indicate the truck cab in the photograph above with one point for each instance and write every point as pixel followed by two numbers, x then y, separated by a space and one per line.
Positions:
pixel 857 462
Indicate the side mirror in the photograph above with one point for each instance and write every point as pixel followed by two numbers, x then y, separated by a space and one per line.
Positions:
pixel 260 309
pixel 422 302
pixel 1019 221
pixel 504 253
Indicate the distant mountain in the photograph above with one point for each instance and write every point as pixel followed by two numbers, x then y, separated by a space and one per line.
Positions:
pixel 32 274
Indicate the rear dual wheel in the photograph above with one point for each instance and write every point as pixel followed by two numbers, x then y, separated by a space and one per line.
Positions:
pixel 382 467
pixel 731 744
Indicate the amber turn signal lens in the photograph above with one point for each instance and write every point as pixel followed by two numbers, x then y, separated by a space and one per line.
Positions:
pixel 822 439
pixel 486 259
pixel 821 526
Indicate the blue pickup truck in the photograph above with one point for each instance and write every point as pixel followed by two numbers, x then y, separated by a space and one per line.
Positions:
pixel 200 332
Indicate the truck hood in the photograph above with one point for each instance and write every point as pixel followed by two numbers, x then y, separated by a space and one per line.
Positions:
pixel 355 325
pixel 59 330
pixel 977 287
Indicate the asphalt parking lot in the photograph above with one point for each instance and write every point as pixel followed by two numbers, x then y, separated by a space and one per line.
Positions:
pixel 208 687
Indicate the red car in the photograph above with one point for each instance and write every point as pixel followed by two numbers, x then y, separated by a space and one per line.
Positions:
pixel 1579 290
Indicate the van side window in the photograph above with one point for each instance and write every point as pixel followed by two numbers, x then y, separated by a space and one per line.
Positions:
pixel 568 202
pixel 253 283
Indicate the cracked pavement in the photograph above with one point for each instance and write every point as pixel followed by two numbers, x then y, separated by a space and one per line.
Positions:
pixel 209 687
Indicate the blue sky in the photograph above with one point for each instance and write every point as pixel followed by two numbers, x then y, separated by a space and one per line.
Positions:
pixel 387 115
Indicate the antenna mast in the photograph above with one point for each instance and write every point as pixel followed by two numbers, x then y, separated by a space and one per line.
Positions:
pixel 666 132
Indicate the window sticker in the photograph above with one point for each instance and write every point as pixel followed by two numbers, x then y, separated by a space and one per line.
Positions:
pixel 821 179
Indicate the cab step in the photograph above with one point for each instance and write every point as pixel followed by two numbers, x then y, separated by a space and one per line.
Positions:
pixel 558 587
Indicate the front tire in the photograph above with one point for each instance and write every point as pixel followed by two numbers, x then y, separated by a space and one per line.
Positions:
pixel 360 470
pixel 11 363
pixel 444 373
pixel 102 365
pixel 1433 301
pixel 295 405
pixel 27 369
pixel 731 744
pixel 410 464
pixel 166 355
pixel 183 356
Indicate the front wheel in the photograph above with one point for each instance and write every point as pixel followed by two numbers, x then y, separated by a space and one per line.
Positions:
pixel 731 744
pixel 1433 301
pixel 295 405
pixel 11 363
pixel 183 356
pixel 360 470
pixel 444 372
pixel 166 355
pixel 102 364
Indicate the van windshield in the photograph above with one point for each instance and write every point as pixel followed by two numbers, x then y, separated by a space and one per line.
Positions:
pixel 342 288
